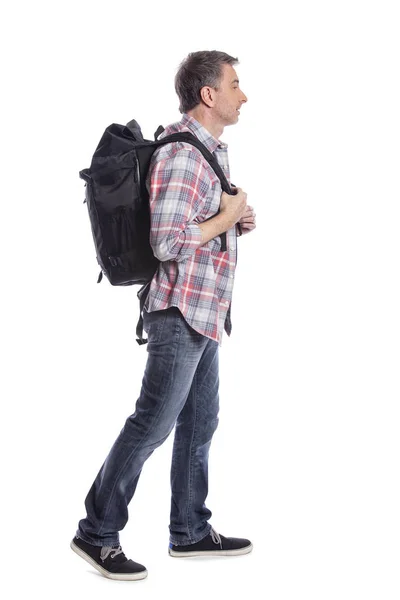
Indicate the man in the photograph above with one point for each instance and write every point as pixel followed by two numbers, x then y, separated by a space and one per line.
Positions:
pixel 185 314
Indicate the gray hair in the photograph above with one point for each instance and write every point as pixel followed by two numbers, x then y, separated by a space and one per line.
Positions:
pixel 197 70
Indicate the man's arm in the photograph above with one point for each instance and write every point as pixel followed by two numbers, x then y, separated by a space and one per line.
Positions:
pixel 213 227
pixel 178 189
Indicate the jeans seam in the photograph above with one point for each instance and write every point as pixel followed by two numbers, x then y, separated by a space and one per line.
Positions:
pixel 191 460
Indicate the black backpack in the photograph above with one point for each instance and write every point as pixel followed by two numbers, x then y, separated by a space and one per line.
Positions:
pixel 118 204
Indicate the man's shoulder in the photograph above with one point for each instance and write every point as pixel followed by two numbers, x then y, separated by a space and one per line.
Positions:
pixel 170 149
pixel 177 149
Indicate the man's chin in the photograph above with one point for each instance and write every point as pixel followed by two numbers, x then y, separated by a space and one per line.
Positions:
pixel 234 120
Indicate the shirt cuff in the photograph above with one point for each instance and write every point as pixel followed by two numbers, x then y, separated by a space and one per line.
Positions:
pixel 181 247
pixel 192 236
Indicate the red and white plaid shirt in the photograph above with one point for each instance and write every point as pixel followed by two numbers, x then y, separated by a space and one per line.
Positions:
pixel 183 191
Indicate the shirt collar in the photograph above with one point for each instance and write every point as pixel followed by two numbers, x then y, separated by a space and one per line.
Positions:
pixel 210 142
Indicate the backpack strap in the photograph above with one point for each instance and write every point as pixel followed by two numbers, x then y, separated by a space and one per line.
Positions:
pixel 142 295
pixel 239 227
pixel 159 130
pixel 185 136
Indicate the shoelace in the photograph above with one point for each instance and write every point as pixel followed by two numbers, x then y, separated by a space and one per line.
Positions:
pixel 106 551
pixel 216 538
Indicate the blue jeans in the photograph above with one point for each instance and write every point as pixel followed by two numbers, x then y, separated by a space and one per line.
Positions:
pixel 179 387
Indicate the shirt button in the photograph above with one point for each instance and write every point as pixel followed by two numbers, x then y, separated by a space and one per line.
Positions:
pixel 231 276
pixel 226 302
pixel 231 248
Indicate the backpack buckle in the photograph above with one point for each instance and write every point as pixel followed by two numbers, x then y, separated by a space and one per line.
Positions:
pixel 115 261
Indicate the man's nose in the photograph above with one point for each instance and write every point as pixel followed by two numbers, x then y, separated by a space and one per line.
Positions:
pixel 244 98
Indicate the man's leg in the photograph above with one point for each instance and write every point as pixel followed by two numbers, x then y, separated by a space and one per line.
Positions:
pixel 174 353
pixel 189 470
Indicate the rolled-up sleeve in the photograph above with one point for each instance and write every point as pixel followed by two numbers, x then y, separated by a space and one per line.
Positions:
pixel 178 188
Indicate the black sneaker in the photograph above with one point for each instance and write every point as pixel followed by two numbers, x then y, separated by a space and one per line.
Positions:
pixel 109 561
pixel 213 544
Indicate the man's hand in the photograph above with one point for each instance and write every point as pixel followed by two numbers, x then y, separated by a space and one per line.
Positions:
pixel 233 207
pixel 248 220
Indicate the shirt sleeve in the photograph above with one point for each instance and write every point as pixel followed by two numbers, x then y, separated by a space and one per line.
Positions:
pixel 177 192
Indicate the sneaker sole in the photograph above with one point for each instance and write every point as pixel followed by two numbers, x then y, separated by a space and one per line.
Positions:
pixel 118 576
pixel 237 552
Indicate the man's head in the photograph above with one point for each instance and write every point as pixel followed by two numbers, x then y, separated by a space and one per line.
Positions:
pixel 208 87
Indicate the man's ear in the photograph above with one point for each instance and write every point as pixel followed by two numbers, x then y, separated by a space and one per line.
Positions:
pixel 208 94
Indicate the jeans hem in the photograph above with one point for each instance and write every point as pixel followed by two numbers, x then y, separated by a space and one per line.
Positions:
pixel 193 541
pixel 99 543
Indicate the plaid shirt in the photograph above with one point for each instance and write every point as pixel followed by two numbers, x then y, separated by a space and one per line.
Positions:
pixel 183 191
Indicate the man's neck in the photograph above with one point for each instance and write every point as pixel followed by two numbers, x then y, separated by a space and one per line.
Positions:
pixel 205 119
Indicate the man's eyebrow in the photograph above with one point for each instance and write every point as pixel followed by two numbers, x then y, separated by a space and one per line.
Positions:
pixel 235 81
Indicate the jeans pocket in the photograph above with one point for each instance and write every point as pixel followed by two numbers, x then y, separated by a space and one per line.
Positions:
pixel 153 324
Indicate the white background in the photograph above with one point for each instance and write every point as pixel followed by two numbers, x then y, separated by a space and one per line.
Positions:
pixel 305 461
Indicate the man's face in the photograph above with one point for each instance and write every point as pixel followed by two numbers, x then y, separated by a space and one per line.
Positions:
pixel 229 97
